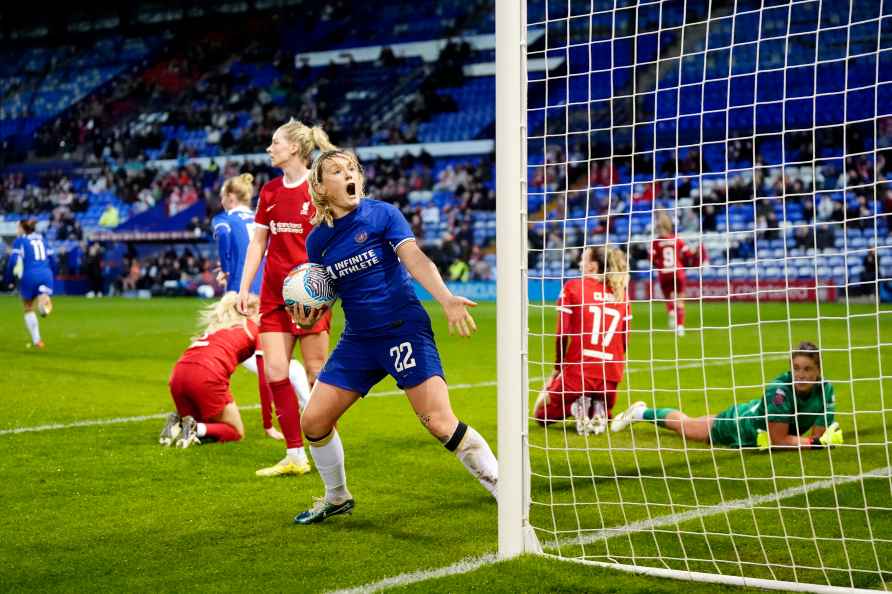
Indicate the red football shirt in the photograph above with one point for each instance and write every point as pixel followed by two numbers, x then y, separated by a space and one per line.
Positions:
pixel 285 212
pixel 597 326
pixel 220 352
pixel 667 254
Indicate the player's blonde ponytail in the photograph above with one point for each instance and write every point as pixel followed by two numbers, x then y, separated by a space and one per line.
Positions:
pixel 306 138
pixel 225 314
pixel 320 140
pixel 617 274
pixel 240 185
pixel 612 268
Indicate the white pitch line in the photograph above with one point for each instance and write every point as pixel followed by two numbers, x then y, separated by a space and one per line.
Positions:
pixel 463 566
pixel 472 564
pixel 489 384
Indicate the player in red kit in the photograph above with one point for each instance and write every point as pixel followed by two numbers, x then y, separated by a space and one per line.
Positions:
pixel 670 257
pixel 590 353
pixel 199 383
pixel 281 226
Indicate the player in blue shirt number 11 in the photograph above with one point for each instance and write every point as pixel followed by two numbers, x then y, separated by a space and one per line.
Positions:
pixel 368 248
pixel 30 264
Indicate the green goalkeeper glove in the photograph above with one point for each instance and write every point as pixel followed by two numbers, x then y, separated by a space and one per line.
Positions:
pixel 763 442
pixel 832 436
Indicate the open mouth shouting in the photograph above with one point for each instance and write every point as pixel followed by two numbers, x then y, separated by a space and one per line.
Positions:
pixel 351 189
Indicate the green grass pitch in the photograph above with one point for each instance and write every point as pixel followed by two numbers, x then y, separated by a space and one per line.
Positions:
pixel 103 506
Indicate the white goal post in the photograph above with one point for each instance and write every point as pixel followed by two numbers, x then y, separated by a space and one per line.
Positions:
pixel 761 131
pixel 515 535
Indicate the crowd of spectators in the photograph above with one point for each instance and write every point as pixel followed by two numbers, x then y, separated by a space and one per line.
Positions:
pixel 52 192
pixel 168 273
pixel 396 181
pixel 205 88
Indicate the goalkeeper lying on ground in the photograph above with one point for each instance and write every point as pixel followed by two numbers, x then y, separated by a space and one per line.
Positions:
pixel 793 403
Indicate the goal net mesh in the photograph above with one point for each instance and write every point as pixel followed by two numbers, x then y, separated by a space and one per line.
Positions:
pixel 762 131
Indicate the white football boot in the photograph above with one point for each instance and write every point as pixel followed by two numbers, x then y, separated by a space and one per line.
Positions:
pixel 599 418
pixel 625 418
pixel 579 410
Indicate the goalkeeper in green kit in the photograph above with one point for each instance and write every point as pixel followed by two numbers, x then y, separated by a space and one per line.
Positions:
pixel 793 403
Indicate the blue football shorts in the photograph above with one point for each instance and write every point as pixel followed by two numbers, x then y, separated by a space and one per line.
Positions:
pixel 407 352
pixel 36 283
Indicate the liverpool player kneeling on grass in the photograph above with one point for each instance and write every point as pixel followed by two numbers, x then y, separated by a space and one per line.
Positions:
pixel 592 333
pixel 199 384
pixel 368 248
pixel 793 403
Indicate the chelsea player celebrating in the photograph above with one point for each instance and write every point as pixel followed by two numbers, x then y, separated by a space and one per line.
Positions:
pixel 370 252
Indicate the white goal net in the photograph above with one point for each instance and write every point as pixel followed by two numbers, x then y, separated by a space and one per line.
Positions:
pixel 737 156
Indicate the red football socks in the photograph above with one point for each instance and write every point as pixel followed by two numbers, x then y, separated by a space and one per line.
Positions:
pixel 287 412
pixel 222 432
pixel 266 396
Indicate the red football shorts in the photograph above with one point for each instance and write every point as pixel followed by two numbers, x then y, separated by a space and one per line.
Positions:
pixel 562 392
pixel 673 285
pixel 197 393
pixel 278 320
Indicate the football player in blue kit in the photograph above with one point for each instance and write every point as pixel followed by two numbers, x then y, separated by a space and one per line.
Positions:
pixel 369 250
pixel 233 230
pixel 30 263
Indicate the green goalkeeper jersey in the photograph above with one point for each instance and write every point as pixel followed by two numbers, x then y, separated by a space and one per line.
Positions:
pixel 738 425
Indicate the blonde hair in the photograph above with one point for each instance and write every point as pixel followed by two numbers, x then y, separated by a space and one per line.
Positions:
pixel 307 138
pixel 664 225
pixel 225 314
pixel 320 200
pixel 240 185
pixel 617 268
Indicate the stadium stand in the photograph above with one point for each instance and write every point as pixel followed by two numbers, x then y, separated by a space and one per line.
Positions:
pixel 152 125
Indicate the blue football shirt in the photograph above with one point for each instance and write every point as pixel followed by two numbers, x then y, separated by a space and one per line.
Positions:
pixel 34 254
pixel 233 231
pixel 359 253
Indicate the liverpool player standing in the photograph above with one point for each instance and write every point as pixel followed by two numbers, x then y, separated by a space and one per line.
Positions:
pixel 670 256
pixel 281 226
pixel 592 334
pixel 233 230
